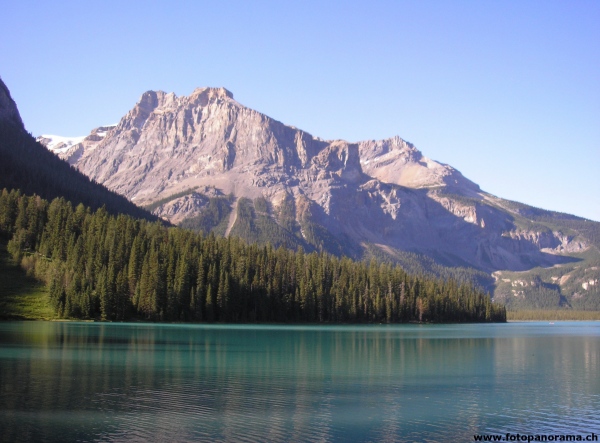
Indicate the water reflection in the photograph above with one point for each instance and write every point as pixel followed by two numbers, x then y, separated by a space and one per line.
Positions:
pixel 139 382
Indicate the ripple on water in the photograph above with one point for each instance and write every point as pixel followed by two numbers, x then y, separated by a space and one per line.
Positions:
pixel 302 385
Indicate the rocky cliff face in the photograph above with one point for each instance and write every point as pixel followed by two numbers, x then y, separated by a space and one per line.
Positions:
pixel 168 143
pixel 396 161
pixel 339 196
pixel 8 108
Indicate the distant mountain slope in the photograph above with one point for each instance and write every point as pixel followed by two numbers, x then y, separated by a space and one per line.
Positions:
pixel 71 148
pixel 27 165
pixel 207 162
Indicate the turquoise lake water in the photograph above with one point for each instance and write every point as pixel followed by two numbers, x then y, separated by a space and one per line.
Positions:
pixel 62 382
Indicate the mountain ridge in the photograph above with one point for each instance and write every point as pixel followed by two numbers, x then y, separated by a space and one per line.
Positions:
pixel 26 165
pixel 372 197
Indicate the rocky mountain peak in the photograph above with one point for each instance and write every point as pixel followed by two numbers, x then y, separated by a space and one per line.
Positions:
pixel 336 195
pixel 8 108
pixel 395 160
pixel 212 93
pixel 136 118
pixel 173 143
pixel 150 100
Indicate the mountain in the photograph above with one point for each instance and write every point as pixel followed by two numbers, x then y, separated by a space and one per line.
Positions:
pixel 71 148
pixel 26 165
pixel 207 162
pixel 9 114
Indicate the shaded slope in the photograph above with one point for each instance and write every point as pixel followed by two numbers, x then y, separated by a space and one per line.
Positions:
pixel 28 166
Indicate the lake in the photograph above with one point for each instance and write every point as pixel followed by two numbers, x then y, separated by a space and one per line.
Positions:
pixel 67 381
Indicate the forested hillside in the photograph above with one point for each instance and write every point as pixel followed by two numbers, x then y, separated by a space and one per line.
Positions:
pixel 28 166
pixel 116 268
pixel 257 221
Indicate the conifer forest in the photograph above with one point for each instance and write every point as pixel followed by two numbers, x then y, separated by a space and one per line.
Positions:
pixel 105 267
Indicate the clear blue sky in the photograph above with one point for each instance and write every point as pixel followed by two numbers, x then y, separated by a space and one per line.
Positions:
pixel 507 92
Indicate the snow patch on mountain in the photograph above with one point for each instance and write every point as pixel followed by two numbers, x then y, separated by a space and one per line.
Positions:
pixel 71 149
pixel 58 143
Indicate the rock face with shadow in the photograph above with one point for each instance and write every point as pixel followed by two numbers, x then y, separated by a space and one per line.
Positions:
pixel 9 113
pixel 25 165
pixel 371 198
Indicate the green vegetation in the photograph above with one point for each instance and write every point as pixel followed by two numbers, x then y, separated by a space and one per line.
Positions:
pixel 564 286
pixel 255 225
pixel 317 236
pixel 540 219
pixel 27 165
pixel 420 264
pixel 556 314
pixel 446 191
pixel 152 206
pixel 99 266
pixel 21 297
pixel 286 214
pixel 553 288
pixel 213 218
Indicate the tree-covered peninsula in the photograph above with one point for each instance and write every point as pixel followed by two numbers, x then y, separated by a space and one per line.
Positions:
pixel 99 266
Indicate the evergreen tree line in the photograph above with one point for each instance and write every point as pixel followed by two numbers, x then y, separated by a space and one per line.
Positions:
pixel 117 268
